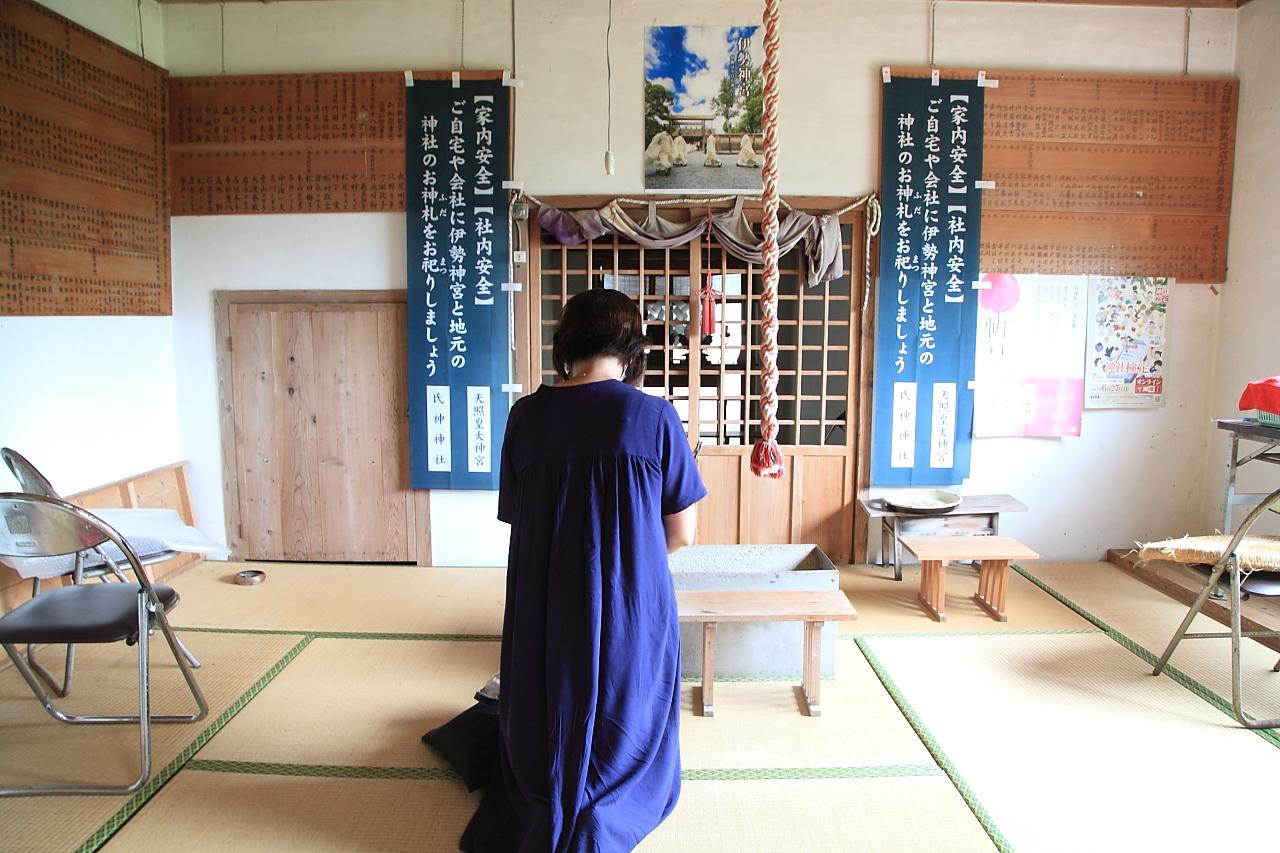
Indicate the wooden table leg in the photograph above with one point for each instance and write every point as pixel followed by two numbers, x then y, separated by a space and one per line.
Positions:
pixel 708 669
pixel 897 550
pixel 993 585
pixel 933 588
pixel 811 679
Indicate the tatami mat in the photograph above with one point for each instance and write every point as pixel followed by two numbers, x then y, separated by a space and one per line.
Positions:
pixel 1149 619
pixel 1071 747
pixel 893 814
pixel 36 749
pixel 359 703
pixel 323 597
pixel 761 724
pixel 886 606
pixel 211 812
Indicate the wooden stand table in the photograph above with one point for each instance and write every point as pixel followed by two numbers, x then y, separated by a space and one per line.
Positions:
pixel 992 552
pixel 812 607
pixel 976 515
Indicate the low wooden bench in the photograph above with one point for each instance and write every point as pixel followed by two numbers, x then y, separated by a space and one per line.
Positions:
pixel 992 553
pixel 812 607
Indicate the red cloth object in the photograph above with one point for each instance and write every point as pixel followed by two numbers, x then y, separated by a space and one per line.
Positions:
pixel 1263 395
pixel 708 310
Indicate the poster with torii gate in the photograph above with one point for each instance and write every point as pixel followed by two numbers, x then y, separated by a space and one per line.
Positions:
pixel 703 109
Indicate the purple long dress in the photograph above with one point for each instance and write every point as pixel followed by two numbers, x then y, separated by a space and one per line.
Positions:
pixel 590 702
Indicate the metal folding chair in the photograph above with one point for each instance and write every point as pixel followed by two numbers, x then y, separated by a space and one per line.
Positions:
pixel 99 562
pixel 38 526
pixel 1240 557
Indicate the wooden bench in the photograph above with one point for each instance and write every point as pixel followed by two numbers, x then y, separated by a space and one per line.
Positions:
pixel 812 607
pixel 992 553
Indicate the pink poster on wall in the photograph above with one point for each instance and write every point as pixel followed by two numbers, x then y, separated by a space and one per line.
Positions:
pixel 1029 364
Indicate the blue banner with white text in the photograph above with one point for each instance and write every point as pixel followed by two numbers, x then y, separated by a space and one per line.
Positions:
pixel 459 344
pixel 927 308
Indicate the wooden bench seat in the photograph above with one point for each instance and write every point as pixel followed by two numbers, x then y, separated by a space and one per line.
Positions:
pixel 812 607
pixel 992 553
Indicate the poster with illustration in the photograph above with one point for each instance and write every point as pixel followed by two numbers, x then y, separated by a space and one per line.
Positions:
pixel 703 103
pixel 1124 356
pixel 1029 362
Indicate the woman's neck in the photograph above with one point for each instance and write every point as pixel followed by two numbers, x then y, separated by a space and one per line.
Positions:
pixel 596 369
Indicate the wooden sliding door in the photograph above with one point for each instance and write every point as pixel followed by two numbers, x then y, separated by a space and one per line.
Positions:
pixel 315 429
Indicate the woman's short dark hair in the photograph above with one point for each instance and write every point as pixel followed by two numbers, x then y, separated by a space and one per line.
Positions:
pixel 600 322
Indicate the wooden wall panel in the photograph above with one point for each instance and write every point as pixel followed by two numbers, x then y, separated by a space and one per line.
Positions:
pixel 824 517
pixel 287 143
pixel 718 513
pixel 1106 174
pixel 84 214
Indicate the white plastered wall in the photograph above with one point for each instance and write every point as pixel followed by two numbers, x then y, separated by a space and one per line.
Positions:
pixel 1249 314
pixel 1132 474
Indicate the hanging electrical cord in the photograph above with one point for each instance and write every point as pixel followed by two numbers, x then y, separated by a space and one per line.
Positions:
pixel 222 34
pixel 1186 44
pixel 933 28
pixel 608 65
pixel 142 38
pixel 462 34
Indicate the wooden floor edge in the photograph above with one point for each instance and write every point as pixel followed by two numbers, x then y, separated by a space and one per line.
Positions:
pixel 1127 561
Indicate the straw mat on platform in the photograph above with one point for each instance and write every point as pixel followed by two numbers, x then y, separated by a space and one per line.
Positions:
pixel 1254 552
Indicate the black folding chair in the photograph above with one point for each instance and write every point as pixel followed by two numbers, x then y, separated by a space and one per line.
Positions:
pixel 39 526
pixel 101 562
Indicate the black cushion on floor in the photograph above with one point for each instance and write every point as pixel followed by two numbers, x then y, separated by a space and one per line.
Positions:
pixel 469 742
pixel 83 613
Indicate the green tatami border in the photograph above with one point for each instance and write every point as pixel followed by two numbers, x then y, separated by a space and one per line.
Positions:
pixel 711 774
pixel 935 749
pixel 349 635
pixel 157 781
pixel 1021 632
pixel 1223 704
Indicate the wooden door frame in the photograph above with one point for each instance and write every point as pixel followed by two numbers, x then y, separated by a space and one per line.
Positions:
pixel 420 538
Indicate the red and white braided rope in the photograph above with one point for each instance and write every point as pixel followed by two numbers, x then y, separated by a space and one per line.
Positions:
pixel 766 459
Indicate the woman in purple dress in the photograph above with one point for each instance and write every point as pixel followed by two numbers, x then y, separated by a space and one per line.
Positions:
pixel 599 485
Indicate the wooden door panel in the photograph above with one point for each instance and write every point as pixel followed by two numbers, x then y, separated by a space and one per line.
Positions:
pixel 718 512
pixel 255 431
pixel 320 434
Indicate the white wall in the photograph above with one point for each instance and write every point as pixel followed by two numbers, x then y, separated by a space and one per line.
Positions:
pixel 1132 475
pixel 71 384
pixel 1250 303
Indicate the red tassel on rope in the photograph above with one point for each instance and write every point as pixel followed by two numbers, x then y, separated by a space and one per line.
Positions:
pixel 766 459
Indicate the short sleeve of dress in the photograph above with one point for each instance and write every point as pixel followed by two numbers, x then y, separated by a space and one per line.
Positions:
pixel 507 486
pixel 682 485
